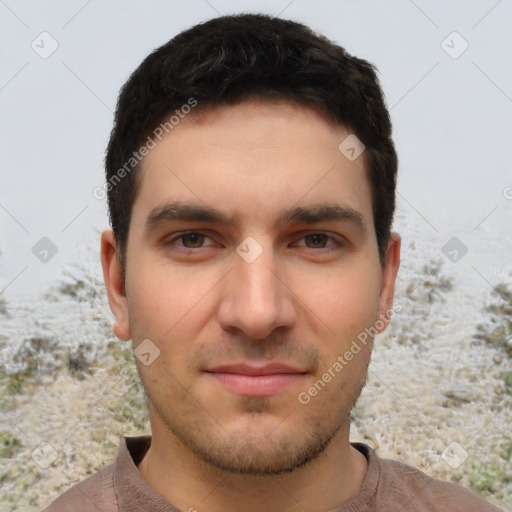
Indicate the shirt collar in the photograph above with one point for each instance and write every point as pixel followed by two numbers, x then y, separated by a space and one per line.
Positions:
pixel 134 493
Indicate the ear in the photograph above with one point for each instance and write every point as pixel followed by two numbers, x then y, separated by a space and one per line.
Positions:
pixel 389 273
pixel 114 284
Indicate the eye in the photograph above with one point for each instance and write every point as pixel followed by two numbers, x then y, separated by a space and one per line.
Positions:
pixel 317 241
pixel 190 240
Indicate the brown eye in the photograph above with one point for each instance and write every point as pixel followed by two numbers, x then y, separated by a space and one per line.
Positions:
pixel 192 240
pixel 316 240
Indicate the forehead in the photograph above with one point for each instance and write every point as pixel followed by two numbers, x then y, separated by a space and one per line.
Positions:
pixel 253 160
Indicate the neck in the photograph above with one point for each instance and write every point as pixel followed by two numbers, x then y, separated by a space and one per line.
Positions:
pixel 190 483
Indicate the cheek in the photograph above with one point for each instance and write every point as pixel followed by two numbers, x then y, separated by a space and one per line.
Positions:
pixel 346 302
pixel 165 297
pixel 171 308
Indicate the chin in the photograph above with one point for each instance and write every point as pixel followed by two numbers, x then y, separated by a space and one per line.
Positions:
pixel 258 444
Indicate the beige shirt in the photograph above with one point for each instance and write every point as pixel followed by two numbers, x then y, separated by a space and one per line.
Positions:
pixel 389 486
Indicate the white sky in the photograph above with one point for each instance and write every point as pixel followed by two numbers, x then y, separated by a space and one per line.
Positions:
pixel 452 117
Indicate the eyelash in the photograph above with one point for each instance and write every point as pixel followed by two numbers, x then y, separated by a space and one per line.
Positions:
pixel 334 242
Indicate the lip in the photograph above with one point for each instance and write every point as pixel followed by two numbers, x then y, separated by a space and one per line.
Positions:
pixel 249 380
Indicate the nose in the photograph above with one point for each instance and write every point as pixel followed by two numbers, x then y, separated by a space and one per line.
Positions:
pixel 255 297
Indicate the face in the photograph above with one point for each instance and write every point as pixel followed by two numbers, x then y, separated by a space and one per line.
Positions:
pixel 252 265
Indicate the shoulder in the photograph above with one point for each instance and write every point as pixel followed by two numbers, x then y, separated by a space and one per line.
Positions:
pixel 419 492
pixel 92 494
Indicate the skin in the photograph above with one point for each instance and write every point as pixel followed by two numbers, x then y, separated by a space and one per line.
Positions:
pixel 302 301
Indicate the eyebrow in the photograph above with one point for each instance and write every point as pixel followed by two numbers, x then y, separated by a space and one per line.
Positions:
pixel 322 212
pixel 173 211
pixel 179 211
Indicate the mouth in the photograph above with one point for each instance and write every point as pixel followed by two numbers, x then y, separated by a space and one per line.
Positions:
pixel 250 380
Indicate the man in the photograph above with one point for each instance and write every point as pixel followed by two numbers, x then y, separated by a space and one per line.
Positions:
pixel 251 182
